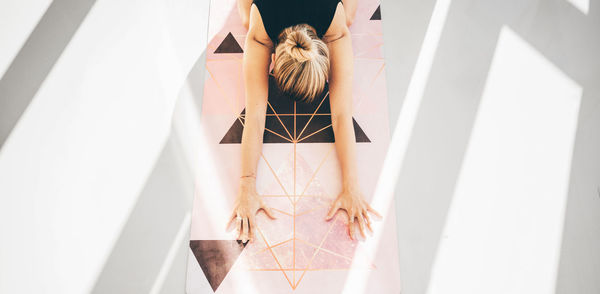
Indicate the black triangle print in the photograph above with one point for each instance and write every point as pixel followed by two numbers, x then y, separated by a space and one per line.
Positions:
pixel 359 133
pixel 305 122
pixel 229 45
pixel 234 135
pixel 216 257
pixel 377 14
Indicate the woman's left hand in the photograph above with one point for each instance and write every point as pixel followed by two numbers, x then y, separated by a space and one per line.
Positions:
pixel 356 207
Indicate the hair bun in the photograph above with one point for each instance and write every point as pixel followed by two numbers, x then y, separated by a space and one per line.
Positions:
pixel 301 65
pixel 299 45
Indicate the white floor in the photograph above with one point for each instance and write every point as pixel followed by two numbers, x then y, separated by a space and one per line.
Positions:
pixel 496 107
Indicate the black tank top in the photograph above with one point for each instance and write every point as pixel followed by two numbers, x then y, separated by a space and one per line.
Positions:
pixel 280 14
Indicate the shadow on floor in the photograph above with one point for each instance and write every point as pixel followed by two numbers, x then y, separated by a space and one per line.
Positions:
pixel 36 59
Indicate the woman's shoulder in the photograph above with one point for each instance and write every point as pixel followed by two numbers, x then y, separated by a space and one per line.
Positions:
pixel 338 27
pixel 256 28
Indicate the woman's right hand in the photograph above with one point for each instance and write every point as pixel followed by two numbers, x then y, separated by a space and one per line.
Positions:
pixel 246 205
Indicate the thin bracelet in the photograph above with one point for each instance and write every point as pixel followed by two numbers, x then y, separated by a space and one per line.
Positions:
pixel 248 176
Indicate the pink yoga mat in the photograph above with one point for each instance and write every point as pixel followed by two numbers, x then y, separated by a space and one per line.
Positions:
pixel 298 176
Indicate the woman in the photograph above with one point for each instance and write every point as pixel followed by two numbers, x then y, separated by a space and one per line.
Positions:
pixel 311 45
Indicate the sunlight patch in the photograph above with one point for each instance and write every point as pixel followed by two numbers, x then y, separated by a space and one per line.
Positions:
pixel 504 227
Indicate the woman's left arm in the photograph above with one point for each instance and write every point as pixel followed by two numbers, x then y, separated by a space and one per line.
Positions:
pixel 350 10
pixel 339 42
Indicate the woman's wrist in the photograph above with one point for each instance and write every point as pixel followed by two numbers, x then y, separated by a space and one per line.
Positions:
pixel 248 181
pixel 350 188
pixel 350 184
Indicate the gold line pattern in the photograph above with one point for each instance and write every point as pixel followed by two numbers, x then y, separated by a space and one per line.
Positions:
pixel 294 197
pixel 294 204
pixel 297 114
pixel 310 210
pixel 323 249
pixel 315 132
pixel 317 251
pixel 286 130
pixel 275 133
pixel 271 168
pixel 281 211
pixel 313 115
pixel 315 173
pixel 277 178
pixel 221 90
pixel 274 195
pixel 267 248
pixel 276 260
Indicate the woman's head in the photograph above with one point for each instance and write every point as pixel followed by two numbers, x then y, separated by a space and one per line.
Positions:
pixel 301 66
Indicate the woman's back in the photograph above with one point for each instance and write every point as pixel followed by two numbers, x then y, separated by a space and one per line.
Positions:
pixel 279 14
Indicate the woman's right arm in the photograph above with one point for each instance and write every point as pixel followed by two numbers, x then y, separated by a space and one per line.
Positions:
pixel 257 57
pixel 244 10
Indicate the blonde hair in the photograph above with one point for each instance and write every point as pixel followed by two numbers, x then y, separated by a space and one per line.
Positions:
pixel 301 66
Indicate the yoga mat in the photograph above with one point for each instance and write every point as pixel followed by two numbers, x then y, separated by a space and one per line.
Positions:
pixel 298 176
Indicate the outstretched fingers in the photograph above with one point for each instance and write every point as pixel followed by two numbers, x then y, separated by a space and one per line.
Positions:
pixel 373 211
pixel 268 211
pixel 334 208
pixel 238 227
pixel 361 226
pixel 245 229
pixel 251 219
pixel 365 214
pixel 351 223
pixel 231 219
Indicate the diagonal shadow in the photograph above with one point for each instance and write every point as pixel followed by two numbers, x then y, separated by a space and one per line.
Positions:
pixel 570 40
pixel 137 257
pixel 576 55
pixel 143 244
pixel 36 59
pixel 435 154
pixel 404 27
pixel 579 256
pixel 440 137
pixel 443 127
